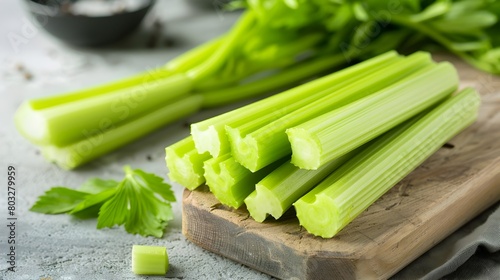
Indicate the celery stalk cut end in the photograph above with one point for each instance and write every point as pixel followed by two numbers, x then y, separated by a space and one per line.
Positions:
pixel 230 182
pixel 317 214
pixel 184 169
pixel 243 149
pixel 263 202
pixel 207 140
pixel 219 180
pixel 306 151
pixel 62 156
pixel 31 124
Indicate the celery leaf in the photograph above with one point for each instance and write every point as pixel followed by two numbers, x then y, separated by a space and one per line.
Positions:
pixel 136 206
pixel 58 200
pixel 97 185
pixel 140 202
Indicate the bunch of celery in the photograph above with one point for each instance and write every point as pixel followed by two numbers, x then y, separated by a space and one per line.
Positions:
pixel 275 44
pixel 329 144
pixel 466 28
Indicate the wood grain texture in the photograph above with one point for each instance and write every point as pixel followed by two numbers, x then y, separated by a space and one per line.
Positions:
pixel 449 189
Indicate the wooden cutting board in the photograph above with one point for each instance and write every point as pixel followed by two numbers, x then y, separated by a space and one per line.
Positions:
pixel 449 189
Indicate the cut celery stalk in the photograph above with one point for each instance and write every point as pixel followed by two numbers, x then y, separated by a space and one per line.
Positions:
pixel 333 134
pixel 149 260
pixel 185 164
pixel 341 197
pixel 73 155
pixel 210 136
pixel 260 142
pixel 276 193
pixel 181 63
pixel 230 182
pixel 63 124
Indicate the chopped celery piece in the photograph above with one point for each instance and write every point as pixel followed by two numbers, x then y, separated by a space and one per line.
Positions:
pixel 352 188
pixel 282 187
pixel 75 154
pixel 149 260
pixel 210 136
pixel 260 142
pixel 230 182
pixel 65 123
pixel 333 134
pixel 185 164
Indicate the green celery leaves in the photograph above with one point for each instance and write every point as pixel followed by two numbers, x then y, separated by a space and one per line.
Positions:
pixel 58 200
pixel 141 202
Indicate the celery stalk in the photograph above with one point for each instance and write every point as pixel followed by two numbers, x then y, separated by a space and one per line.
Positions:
pixel 210 136
pixel 179 64
pixel 276 193
pixel 241 70
pixel 281 79
pixel 352 188
pixel 333 134
pixel 148 76
pixel 66 123
pixel 260 142
pixel 192 58
pixel 75 154
pixel 185 164
pixel 230 182
pixel 218 58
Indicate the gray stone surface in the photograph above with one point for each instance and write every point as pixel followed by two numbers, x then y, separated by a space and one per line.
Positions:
pixel 59 246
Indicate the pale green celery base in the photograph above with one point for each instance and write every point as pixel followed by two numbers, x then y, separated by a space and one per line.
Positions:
pixel 245 146
pixel 210 139
pixel 70 122
pixel 306 149
pixel 31 124
pixel 149 260
pixel 209 135
pixel 221 171
pixel 230 182
pixel 262 202
pixel 348 127
pixel 276 193
pixel 247 150
pixel 361 181
pixel 78 153
pixel 320 217
pixel 222 174
pixel 185 164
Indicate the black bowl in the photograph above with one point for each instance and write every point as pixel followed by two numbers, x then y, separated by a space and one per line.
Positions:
pixel 208 4
pixel 85 30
